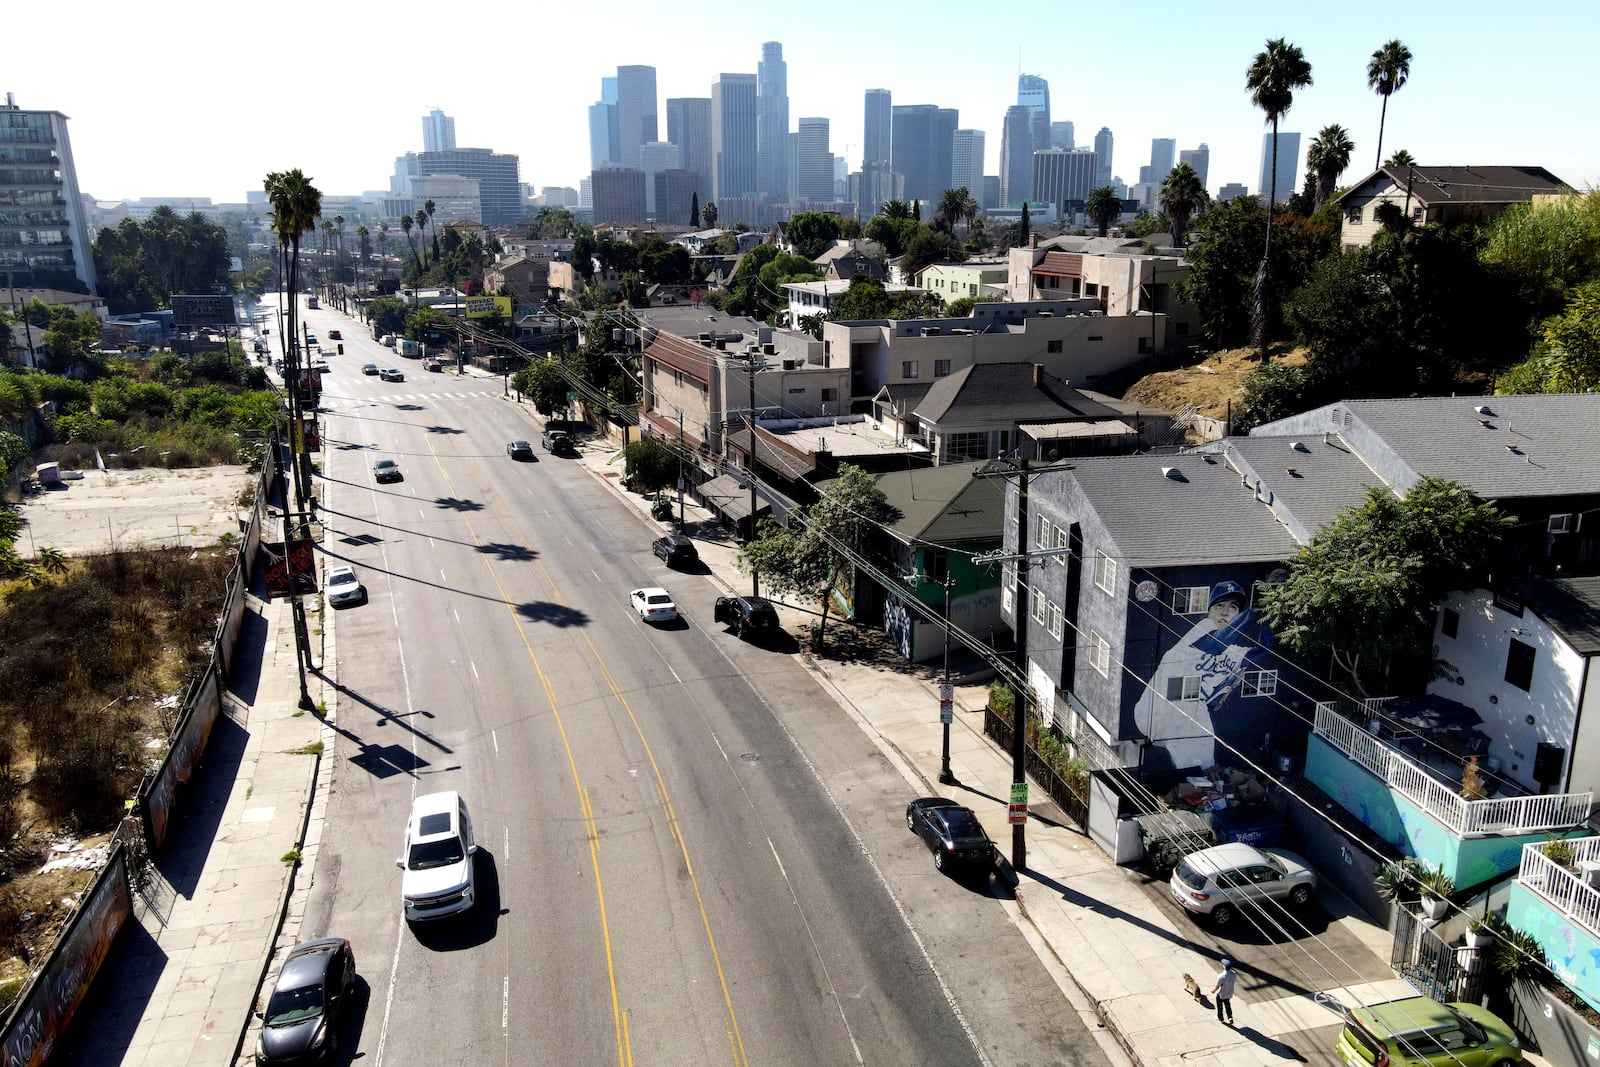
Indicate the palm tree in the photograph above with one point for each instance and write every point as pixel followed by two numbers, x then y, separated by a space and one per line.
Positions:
pixel 296 205
pixel 895 209
pixel 1181 195
pixel 405 224
pixel 1272 78
pixel 952 208
pixel 427 207
pixel 1400 158
pixel 1103 207
pixel 363 245
pixel 1328 157
pixel 1387 72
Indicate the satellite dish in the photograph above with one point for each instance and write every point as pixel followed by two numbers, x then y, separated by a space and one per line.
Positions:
pixel 1145 591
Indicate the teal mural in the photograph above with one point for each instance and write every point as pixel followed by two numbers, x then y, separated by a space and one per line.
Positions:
pixel 1572 951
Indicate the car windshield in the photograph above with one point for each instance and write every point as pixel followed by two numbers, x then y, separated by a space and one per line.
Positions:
pixel 290 1006
pixel 341 579
pixel 425 855
pixel 658 600
pixel 385 464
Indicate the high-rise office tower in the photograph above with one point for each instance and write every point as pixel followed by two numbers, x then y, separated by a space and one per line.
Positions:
pixel 733 136
pixel 772 122
pixel 604 146
pixel 1102 157
pixel 438 131
pixel 689 127
pixel 877 145
pixel 966 162
pixel 1163 152
pixel 499 180
pixel 1061 176
pixel 1033 93
pixel 814 178
pixel 1016 155
pixel 1061 135
pixel 1288 161
pixel 655 157
pixel 922 138
pixel 46 237
pixel 636 111
pixel 619 194
pixel 1199 159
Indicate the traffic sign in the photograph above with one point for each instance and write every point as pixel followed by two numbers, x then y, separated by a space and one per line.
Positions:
pixel 947 691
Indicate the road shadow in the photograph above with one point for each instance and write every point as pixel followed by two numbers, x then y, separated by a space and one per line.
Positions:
pixel 509 553
pixel 353 1022
pixel 552 614
pixel 443 430
pixel 478 925
pixel 410 407
pixel 457 504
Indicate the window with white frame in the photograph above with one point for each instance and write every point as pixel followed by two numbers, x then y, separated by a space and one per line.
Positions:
pixel 1105 572
pixel 1189 600
pixel 1038 604
pixel 1259 683
pixel 1184 688
pixel 1008 586
pixel 1099 654
pixel 1043 539
pixel 961 447
pixel 1055 621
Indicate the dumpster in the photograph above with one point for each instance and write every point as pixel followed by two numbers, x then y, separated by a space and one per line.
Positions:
pixel 1168 836
pixel 1251 824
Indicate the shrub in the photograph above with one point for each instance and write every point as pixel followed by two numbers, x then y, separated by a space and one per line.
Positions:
pixel 85 428
pixel 1001 698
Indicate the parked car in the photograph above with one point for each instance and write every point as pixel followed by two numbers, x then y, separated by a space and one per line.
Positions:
pixel 388 340
pixel 343 587
pixel 675 550
pixel 390 374
pixel 1422 1032
pixel 301 1020
pixel 369 368
pixel 437 858
pixel 435 365
pixel 335 335
pixel 520 450
pixel 653 604
pixel 746 616
pixel 952 833
pixel 1216 881
pixel 386 470
pixel 556 441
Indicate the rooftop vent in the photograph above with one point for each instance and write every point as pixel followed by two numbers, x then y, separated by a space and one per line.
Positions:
pixel 1291 472
pixel 1483 409
pixel 1047 314
pixel 1173 473
pixel 1299 446
pixel 930 331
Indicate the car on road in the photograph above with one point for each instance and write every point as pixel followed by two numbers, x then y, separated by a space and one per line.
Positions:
pixel 320 366
pixel 653 604
pixel 520 450
pixel 390 374
pixel 386 470
pixel 1422 1032
pixel 675 550
pixel 311 340
pixel 557 441
pixel 952 833
pixel 435 365
pixel 437 858
pixel 1217 881
pixel 388 340
pixel 335 335
pixel 746 616
pixel 343 587
pixel 314 986
pixel 369 368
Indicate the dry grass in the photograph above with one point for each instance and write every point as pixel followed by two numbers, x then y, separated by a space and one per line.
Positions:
pixel 1208 384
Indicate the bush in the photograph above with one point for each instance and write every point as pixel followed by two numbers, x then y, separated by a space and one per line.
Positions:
pixel 1001 698
pixel 85 428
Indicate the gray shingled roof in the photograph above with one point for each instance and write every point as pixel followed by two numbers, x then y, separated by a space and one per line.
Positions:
pixel 1467 185
pixel 986 392
pixel 945 504
pixel 1328 476
pixel 1571 606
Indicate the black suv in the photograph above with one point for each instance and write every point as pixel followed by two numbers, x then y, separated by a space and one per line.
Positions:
pixel 675 550
pixel 746 615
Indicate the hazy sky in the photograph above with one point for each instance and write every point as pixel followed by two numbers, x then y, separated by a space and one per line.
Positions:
pixel 203 99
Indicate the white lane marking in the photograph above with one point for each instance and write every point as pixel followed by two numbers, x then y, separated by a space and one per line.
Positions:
pixel 506 847
pixel 674 675
pixel 388 999
pixel 474 667
pixel 505 1005
pixel 496 739
pixel 457 614
pixel 442 578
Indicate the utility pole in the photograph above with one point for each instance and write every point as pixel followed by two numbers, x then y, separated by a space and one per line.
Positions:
pixel 755 575
pixel 1019 715
pixel 680 470
pixel 946 686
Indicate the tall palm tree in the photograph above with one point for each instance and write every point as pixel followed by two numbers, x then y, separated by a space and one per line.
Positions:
pixel 405 224
pixel 1272 78
pixel 296 205
pixel 1328 157
pixel 1103 207
pixel 1400 158
pixel 363 247
pixel 428 209
pixel 952 208
pixel 1387 72
pixel 1181 195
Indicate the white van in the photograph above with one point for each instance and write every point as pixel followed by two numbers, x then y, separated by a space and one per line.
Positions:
pixel 437 858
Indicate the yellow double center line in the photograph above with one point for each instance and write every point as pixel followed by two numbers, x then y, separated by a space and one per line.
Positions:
pixel 619 1017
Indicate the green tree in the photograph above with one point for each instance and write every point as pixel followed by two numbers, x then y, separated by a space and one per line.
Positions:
pixel 709 214
pixel 545 384
pixel 387 315
pixel 1327 158
pixel 406 224
pixel 1387 72
pixel 648 464
pixel 1024 229
pixel 1103 207
pixel 1568 358
pixel 928 246
pixel 895 209
pixel 1400 159
pixel 1364 592
pixel 694 210
pixel 812 232
pixel 955 207
pixel 894 233
pixel 1542 256
pixel 1181 196
pixel 1272 391
pixel 633 291
pixel 1272 78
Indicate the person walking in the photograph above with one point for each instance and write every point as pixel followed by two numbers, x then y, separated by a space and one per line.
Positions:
pixel 1223 991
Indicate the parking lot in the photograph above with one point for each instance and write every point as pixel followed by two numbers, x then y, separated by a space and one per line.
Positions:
pixel 143 508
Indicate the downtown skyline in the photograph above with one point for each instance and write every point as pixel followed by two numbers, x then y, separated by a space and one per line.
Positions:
pixel 349 122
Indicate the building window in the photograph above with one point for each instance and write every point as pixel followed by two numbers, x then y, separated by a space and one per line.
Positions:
pixel 802 389
pixel 1008 585
pixel 1190 600
pixel 1042 538
pixel 1053 346
pixel 1061 537
pixel 1416 213
pixel 1509 605
pixel 961 447
pixel 1055 621
pixel 830 395
pixel 1055 283
pixel 1105 572
pixel 1353 215
pixel 1038 604
pixel 1096 337
pixel 1519 665
pixel 1091 289
pixel 1559 524
pixel 1183 688
pixel 1450 622
pixel 908 368
pixel 1100 656
pixel 1260 683
pixel 941 368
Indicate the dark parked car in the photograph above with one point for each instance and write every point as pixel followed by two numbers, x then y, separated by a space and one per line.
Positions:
pixel 335 335
pixel 675 550
pixel 557 441
pixel 302 1016
pixel 746 615
pixel 952 832
pixel 519 450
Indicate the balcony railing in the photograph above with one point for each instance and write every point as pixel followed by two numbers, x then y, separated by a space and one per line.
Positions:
pixel 1502 815
pixel 1569 893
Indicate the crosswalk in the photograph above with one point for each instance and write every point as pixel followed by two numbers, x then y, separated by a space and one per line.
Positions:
pixel 334 401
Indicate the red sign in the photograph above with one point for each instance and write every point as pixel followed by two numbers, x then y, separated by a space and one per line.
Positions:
pixel 1018 814
pixel 294 571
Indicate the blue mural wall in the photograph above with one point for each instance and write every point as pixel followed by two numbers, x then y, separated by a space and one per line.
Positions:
pixel 1468 861
pixel 1572 951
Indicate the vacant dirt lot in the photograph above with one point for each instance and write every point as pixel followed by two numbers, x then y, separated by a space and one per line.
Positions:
pixel 146 508
pixel 1208 384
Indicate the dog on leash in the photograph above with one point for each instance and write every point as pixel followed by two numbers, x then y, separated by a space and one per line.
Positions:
pixel 1191 987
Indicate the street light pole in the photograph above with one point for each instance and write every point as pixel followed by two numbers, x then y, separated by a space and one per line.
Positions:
pixel 946 692
pixel 755 575
pixel 680 470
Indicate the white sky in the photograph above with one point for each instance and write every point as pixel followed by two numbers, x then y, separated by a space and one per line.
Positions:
pixel 203 99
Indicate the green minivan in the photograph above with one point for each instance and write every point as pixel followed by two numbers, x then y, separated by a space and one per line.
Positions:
pixel 1422 1032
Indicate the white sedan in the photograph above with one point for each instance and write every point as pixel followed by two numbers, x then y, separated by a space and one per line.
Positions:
pixel 343 587
pixel 653 604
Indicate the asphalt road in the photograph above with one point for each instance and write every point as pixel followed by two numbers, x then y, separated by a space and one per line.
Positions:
pixel 689 855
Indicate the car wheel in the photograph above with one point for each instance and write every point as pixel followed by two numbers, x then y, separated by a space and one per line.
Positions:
pixel 911 824
pixel 1299 895
pixel 1222 914
pixel 738 629
pixel 938 859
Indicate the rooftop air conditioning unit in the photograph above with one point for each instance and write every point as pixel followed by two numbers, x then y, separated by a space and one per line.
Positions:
pixel 1047 314
pixel 790 364
pixel 769 348
pixel 1589 873
pixel 930 331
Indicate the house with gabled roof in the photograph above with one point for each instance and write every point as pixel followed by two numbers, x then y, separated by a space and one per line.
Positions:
pixel 1448 196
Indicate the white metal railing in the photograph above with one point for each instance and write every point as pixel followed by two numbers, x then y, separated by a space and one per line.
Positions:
pixel 1568 893
pixel 1504 815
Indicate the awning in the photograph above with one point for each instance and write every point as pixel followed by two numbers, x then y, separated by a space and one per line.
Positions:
pixel 731 497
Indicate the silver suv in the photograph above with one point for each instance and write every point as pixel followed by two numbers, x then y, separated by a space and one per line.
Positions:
pixel 437 858
pixel 1216 881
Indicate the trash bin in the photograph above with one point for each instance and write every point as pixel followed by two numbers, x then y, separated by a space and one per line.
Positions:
pixel 1253 824
pixel 1168 836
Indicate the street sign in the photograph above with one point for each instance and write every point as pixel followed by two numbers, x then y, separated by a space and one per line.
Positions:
pixel 572 396
pixel 1017 815
pixel 1019 793
pixel 947 705
pixel 947 691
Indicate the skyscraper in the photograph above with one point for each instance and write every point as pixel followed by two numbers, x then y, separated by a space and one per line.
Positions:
pixel 1016 155
pixel 655 157
pixel 1033 93
pixel 1199 159
pixel 438 131
pixel 689 127
pixel 1061 176
pixel 1102 157
pixel 922 138
pixel 815 162
pixel 636 111
pixel 772 122
pixel 619 194
pixel 1061 135
pixel 876 145
pixel 733 136
pixel 603 133
pixel 1162 151
pixel 966 162
pixel 499 179
pixel 1288 160
pixel 41 209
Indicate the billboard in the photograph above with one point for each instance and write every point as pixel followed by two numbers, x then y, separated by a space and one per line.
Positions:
pixel 202 311
pixel 482 307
